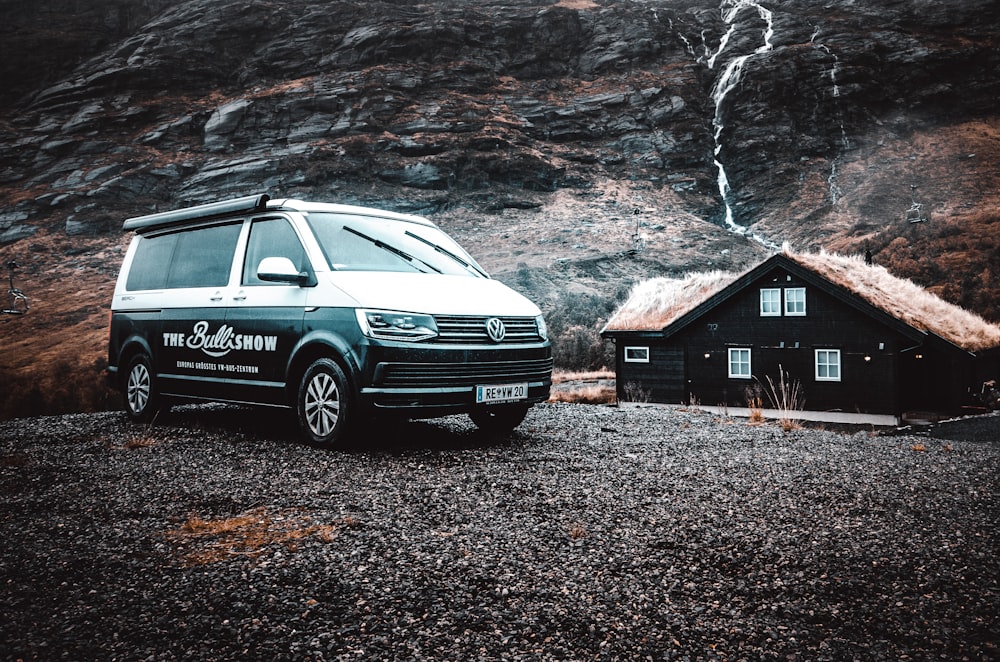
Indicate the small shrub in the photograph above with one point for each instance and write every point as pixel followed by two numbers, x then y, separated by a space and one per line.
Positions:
pixel 633 392
pixel 755 403
pixel 787 397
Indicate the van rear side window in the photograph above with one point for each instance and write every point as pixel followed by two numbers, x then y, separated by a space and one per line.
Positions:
pixel 202 257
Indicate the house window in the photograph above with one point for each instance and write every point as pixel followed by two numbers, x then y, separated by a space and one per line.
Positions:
pixel 636 355
pixel 739 363
pixel 795 301
pixel 828 365
pixel 770 302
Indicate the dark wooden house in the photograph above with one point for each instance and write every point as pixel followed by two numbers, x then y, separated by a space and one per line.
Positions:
pixel 856 339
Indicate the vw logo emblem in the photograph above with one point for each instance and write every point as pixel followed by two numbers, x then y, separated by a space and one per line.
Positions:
pixel 495 329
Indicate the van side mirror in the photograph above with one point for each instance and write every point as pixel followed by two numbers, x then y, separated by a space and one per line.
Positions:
pixel 281 270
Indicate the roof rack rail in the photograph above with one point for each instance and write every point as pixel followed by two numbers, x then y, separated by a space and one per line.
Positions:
pixel 250 203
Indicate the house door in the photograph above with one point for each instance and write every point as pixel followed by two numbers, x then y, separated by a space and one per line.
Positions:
pixel 673 375
pixel 917 388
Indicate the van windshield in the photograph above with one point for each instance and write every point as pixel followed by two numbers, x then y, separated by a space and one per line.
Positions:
pixel 368 243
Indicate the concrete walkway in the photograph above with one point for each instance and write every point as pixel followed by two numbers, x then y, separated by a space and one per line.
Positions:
pixel 775 415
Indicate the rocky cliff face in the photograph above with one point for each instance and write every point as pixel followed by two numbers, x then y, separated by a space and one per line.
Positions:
pixel 545 134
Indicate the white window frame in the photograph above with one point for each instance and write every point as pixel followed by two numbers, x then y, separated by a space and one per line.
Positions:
pixel 789 300
pixel 772 297
pixel 825 362
pixel 636 354
pixel 739 362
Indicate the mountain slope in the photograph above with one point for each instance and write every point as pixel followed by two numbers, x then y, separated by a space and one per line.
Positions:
pixel 552 138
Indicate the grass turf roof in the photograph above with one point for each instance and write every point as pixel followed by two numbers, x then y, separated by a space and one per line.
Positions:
pixel 658 302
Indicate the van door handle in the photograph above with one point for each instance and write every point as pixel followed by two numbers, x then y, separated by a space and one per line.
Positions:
pixel 240 297
pixel 216 297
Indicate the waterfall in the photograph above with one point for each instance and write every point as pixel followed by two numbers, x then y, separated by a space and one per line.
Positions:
pixel 834 70
pixel 834 187
pixel 727 82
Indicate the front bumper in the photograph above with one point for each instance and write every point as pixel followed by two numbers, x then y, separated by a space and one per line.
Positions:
pixel 417 386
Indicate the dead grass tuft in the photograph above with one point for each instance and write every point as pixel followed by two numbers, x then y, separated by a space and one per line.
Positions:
pixel 252 534
pixel 755 403
pixel 139 441
pixel 787 398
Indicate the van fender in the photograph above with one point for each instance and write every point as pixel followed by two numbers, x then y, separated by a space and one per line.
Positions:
pixel 132 345
pixel 317 344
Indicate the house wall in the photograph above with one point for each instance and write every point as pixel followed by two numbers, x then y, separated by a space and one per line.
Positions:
pixel 782 342
pixel 659 380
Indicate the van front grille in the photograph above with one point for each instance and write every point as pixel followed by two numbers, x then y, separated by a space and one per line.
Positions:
pixel 436 375
pixel 471 330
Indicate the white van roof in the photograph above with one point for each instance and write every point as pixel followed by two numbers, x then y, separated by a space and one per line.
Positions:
pixel 254 204
pixel 330 208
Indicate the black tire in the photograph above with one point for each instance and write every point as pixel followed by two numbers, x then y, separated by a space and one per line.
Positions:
pixel 501 419
pixel 324 404
pixel 140 390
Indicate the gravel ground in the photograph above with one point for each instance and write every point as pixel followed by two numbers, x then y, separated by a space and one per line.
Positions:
pixel 594 533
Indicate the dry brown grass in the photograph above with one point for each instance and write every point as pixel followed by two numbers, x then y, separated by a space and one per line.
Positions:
pixel 754 396
pixel 756 412
pixel 138 439
pixel 252 534
pixel 657 302
pixel 52 358
pixel 563 376
pixel 786 397
pixel 584 387
pixel 590 394
pixel 904 300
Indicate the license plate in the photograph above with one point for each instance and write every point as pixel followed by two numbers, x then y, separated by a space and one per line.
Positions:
pixel 501 393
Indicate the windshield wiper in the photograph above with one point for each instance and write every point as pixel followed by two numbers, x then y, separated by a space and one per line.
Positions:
pixel 392 249
pixel 444 251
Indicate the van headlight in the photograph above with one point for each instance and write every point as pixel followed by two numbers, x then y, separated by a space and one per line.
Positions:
pixel 392 325
pixel 543 331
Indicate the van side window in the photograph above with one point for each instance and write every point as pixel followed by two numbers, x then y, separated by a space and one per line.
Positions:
pixel 202 257
pixel 271 237
pixel 151 263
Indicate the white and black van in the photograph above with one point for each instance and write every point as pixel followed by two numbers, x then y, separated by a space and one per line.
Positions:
pixel 338 312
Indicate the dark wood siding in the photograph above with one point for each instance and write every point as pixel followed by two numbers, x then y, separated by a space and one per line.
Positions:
pixel 886 366
pixel 788 344
pixel 660 380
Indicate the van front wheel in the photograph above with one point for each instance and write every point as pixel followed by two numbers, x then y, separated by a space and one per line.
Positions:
pixel 324 404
